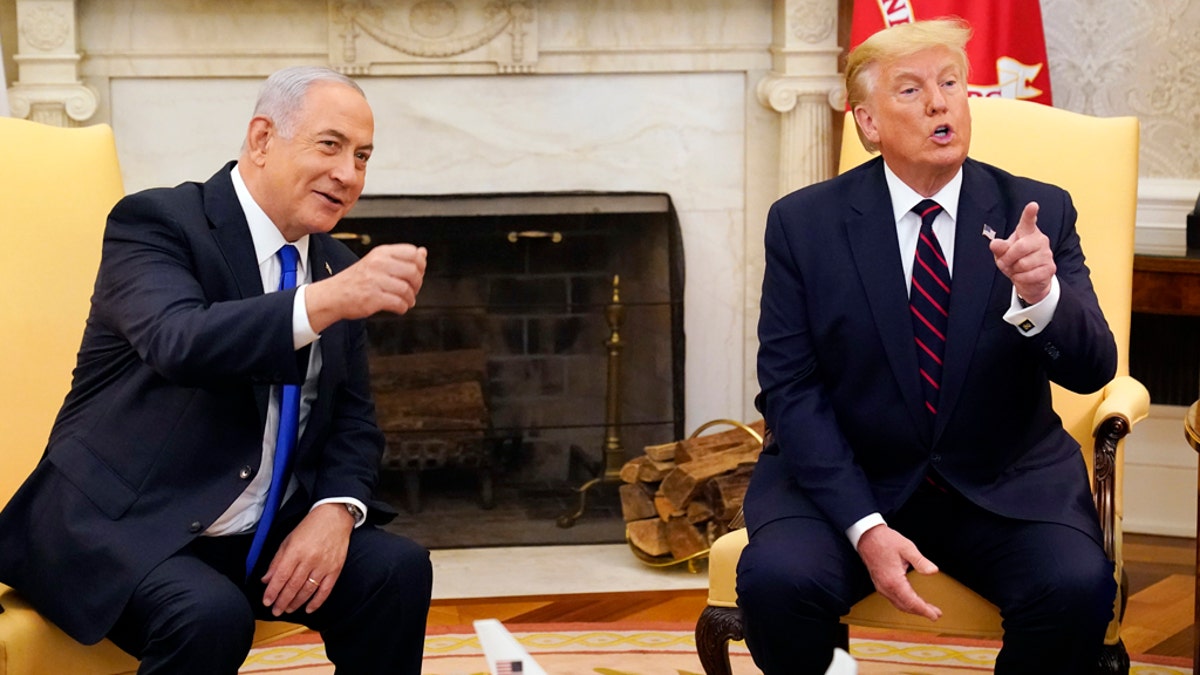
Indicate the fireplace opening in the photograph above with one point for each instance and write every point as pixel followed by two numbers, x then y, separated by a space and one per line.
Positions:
pixel 496 393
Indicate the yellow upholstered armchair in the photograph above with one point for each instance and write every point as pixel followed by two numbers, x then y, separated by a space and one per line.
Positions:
pixel 59 185
pixel 1095 160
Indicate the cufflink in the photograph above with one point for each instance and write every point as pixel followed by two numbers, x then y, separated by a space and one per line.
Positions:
pixel 1025 326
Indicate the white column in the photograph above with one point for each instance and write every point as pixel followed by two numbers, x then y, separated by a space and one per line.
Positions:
pixel 48 89
pixel 805 88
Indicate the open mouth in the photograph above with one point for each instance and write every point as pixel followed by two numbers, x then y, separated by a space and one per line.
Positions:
pixel 942 132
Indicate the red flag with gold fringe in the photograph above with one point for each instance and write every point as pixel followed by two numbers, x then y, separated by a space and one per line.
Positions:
pixel 1007 50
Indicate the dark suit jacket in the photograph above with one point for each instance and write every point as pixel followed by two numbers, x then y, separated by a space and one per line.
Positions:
pixel 838 368
pixel 163 426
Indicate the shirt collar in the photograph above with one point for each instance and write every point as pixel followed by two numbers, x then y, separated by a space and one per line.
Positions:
pixel 905 198
pixel 267 237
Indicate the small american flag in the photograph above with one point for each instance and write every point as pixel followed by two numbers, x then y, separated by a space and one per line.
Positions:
pixel 509 667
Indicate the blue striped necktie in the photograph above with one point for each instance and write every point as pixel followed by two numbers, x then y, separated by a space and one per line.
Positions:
pixel 285 439
pixel 929 302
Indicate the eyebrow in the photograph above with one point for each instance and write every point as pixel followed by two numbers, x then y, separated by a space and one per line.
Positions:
pixel 346 139
pixel 912 75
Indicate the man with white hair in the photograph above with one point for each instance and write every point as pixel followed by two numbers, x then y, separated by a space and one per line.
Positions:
pixel 214 461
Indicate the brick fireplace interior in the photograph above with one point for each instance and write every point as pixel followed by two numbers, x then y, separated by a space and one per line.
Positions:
pixel 493 390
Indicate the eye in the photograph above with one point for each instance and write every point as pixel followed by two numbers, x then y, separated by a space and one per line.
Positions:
pixel 362 156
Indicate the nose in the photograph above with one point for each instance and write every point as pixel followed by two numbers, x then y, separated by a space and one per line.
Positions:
pixel 936 101
pixel 345 169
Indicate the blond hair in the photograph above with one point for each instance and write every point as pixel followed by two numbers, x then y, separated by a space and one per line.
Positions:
pixel 905 39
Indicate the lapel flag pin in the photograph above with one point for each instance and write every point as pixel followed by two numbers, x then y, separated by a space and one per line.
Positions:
pixel 327 268
pixel 989 232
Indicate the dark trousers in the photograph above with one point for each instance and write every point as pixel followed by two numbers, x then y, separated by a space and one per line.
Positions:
pixel 1053 585
pixel 195 614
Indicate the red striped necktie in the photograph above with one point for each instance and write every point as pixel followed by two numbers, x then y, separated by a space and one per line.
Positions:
pixel 929 300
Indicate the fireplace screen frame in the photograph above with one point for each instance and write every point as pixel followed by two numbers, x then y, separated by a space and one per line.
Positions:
pixel 378 219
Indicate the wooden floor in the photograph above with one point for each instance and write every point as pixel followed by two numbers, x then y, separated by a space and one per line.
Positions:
pixel 1158 620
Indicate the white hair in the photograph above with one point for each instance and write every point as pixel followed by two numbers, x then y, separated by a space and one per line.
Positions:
pixel 282 95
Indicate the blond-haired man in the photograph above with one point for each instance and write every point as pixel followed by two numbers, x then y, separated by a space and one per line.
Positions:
pixel 905 361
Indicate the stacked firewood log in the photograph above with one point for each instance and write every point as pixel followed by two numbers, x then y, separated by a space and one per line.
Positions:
pixel 679 497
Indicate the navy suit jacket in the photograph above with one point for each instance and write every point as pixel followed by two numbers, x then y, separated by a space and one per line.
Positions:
pixel 838 370
pixel 163 425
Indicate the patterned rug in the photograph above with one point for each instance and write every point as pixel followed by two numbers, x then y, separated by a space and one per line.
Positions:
pixel 658 649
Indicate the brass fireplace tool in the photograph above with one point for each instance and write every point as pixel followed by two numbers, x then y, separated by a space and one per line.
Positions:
pixel 614 452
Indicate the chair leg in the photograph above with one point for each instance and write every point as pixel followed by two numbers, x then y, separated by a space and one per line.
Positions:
pixel 1114 660
pixel 715 628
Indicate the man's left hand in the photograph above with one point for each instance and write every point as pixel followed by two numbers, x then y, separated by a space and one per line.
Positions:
pixel 1025 257
pixel 309 560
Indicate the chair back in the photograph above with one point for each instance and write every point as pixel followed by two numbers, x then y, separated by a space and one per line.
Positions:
pixel 59 185
pixel 1094 159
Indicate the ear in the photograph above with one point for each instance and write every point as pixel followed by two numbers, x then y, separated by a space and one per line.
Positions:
pixel 866 123
pixel 258 139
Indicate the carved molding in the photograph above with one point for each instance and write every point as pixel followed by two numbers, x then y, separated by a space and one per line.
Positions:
pixel 781 93
pixel 57 104
pixel 45 27
pixel 503 30
pixel 813 21
pixel 48 89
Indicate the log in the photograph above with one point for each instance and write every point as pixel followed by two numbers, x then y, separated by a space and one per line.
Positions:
pixel 637 502
pixel 629 471
pixel 725 494
pixel 648 535
pixel 428 369
pixel 402 423
pixel 651 471
pixel 683 539
pixel 699 512
pixel 662 453
pixel 722 441
pixel 681 484
pixel 664 508
pixel 689 451
pixel 459 400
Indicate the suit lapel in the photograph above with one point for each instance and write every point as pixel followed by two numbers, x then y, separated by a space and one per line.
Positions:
pixel 231 233
pixel 875 246
pixel 974 273
pixel 318 256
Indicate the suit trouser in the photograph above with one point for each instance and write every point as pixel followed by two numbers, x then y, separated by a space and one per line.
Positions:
pixel 1053 584
pixel 195 614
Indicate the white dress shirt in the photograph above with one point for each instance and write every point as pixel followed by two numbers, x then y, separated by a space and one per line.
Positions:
pixel 908 231
pixel 246 510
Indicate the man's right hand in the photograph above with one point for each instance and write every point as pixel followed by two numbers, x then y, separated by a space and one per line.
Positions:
pixel 888 556
pixel 388 279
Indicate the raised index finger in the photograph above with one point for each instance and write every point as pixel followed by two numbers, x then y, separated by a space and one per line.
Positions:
pixel 1028 224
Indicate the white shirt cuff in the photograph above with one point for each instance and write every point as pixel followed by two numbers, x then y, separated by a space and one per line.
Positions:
pixel 1033 319
pixel 362 508
pixel 857 530
pixel 302 332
